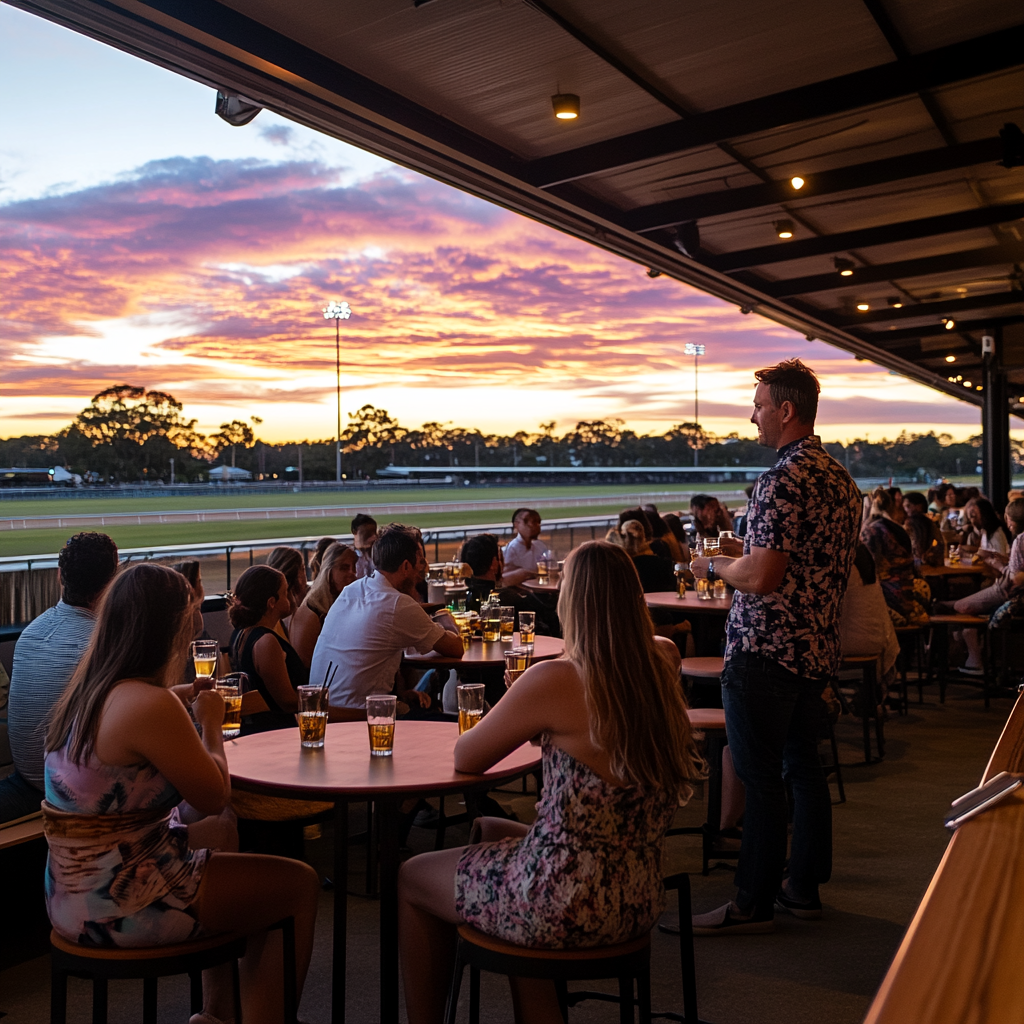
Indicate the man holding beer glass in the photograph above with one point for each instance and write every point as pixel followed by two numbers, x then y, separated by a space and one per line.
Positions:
pixel 782 653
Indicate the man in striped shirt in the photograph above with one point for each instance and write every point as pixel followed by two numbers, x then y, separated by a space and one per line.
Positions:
pixel 45 658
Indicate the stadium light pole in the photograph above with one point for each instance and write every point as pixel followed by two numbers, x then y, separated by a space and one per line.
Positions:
pixel 696 351
pixel 337 311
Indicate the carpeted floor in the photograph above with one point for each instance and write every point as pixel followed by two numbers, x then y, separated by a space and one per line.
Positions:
pixel 888 840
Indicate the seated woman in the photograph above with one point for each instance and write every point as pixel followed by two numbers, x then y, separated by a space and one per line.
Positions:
pixel 317 557
pixel 619 758
pixel 655 573
pixel 906 594
pixel 337 571
pixel 122 753
pixel 638 515
pixel 943 498
pixel 986 532
pixel 289 561
pixel 925 536
pixel 274 667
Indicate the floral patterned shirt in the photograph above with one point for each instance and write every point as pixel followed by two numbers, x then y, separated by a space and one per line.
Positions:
pixel 808 506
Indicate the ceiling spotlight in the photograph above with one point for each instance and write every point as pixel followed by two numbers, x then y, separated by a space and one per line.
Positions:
pixel 950 323
pixel 895 302
pixel 797 182
pixel 653 272
pixel 950 359
pixel 978 388
pixel 863 307
pixel 845 267
pixel 784 228
pixel 567 106
pixel 967 383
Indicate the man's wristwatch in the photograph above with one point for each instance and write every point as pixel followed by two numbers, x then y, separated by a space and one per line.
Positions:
pixel 711 570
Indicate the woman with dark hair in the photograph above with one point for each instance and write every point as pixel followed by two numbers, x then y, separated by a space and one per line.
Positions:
pixel 316 561
pixel 122 753
pixel 898 514
pixel 619 759
pixel 290 563
pixel 906 594
pixel 337 571
pixel 274 667
pixel 944 499
pixel 646 520
pixel 654 572
pixel 986 532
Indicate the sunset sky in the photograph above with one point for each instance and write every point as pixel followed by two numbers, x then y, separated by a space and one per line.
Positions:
pixel 145 241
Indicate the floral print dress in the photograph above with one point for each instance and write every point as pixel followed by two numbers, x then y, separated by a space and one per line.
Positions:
pixel 588 873
pixel 120 871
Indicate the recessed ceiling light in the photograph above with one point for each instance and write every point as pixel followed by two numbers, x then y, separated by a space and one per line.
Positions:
pixel 863 307
pixel 566 105
pixel 797 182
pixel 950 324
pixel 950 359
pixel 845 267
pixel 784 228
pixel 967 383
pixel 896 302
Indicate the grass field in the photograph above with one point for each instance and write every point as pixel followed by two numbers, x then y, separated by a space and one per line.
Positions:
pixel 288 499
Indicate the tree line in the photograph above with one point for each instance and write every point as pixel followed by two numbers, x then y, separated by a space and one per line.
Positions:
pixel 128 434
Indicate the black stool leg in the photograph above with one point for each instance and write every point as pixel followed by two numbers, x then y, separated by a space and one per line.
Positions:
pixel 643 995
pixel 99 1001
pixel 442 825
pixel 873 685
pixel 236 991
pixel 58 995
pixel 149 1001
pixel 835 761
pixel 687 965
pixel 291 1007
pixel 626 1001
pixel 474 994
pixel 453 992
pixel 562 991
pixel 195 991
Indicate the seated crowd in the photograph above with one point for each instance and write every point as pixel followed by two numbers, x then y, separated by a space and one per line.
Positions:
pixel 108 723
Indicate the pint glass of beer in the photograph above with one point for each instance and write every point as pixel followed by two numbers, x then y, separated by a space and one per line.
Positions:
pixel 527 629
pixel 312 716
pixel 508 623
pixel 230 688
pixel 380 720
pixel 490 622
pixel 705 590
pixel 204 657
pixel 517 661
pixel 471 705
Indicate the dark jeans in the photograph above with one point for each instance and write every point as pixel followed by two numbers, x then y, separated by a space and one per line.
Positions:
pixel 773 719
pixel 18 797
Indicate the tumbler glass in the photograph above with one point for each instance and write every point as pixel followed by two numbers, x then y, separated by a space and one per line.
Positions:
pixel 380 721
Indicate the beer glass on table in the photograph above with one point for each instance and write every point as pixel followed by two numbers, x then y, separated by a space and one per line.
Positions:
pixel 471 705
pixel 380 720
pixel 517 661
pixel 719 589
pixel 507 616
pixel 527 629
pixel 490 622
pixel 705 590
pixel 312 716
pixel 464 620
pixel 231 687
pixel 204 657
pixel 542 570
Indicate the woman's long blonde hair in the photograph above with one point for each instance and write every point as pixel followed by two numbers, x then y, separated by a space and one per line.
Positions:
pixel 636 704
pixel 320 595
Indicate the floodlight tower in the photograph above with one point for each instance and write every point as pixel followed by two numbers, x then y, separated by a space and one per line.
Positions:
pixel 337 311
pixel 696 351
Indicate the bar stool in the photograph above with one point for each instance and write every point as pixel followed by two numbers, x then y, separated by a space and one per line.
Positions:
pixel 101 964
pixel 945 624
pixel 905 634
pixel 867 666
pixel 702 670
pixel 629 962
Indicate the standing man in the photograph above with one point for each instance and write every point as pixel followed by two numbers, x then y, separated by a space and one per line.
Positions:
pixel 364 535
pixel 782 651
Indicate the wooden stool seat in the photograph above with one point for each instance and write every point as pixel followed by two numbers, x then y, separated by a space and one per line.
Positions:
pixel 858 659
pixel 703 668
pixel 503 948
pixel 963 621
pixel 193 948
pixel 706 718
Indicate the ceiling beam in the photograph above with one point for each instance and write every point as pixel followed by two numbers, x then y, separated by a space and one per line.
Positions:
pixel 990 256
pixel 841 179
pixel 890 340
pixel 937 309
pixel 883 234
pixel 949 64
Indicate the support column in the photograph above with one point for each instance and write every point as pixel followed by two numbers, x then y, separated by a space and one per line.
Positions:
pixel 995 425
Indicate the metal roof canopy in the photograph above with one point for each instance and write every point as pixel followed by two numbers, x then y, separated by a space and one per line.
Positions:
pixel 694 119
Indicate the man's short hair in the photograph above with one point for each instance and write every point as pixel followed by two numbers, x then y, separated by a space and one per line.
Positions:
pixel 701 501
pixel 87 564
pixel 479 552
pixel 791 381
pixel 395 544
pixel 524 512
pixel 916 498
pixel 362 520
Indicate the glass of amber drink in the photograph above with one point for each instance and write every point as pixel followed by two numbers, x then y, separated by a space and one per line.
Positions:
pixel 490 622
pixel 517 661
pixel 230 689
pixel 380 721
pixel 312 716
pixel 527 629
pixel 204 657
pixel 471 705
pixel 508 623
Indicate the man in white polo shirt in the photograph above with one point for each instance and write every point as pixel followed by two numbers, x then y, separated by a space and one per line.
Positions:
pixel 373 621
pixel 524 550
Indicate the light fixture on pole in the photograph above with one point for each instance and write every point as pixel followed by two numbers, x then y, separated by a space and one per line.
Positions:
pixel 696 351
pixel 337 311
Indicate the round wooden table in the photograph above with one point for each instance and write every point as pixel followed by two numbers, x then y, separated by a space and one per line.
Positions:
pixel 542 586
pixel 274 764
pixel 690 604
pixel 953 570
pixel 490 654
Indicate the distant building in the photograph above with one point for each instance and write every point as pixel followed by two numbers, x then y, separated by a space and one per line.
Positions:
pixel 228 475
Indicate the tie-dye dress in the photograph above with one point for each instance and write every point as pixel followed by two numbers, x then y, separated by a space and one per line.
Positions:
pixel 120 871
pixel 588 873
